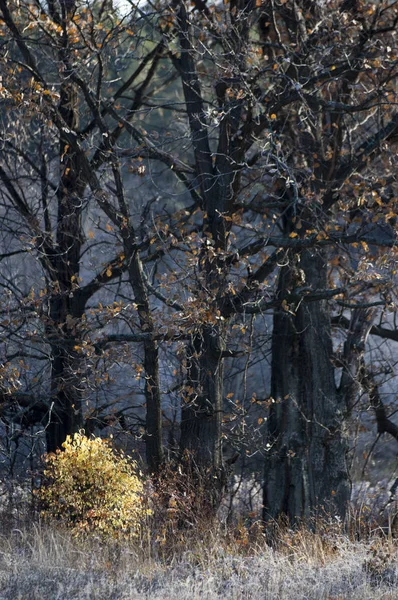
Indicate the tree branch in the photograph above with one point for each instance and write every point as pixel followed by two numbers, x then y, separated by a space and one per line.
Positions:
pixel 354 349
pixel 384 423
pixel 389 334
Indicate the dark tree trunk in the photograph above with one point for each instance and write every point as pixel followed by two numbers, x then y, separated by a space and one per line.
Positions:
pixel 63 329
pixel 306 471
pixel 202 409
pixel 65 410
pixel 65 311
pixel 66 414
pixel 153 429
pixel 218 179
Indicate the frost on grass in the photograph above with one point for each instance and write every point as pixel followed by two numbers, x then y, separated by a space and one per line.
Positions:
pixel 46 565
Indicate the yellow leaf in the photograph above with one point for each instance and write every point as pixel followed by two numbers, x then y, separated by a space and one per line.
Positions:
pixel 365 246
pixel 293 234
pixel 109 272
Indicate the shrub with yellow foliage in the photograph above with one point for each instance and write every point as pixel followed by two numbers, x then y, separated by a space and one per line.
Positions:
pixel 90 487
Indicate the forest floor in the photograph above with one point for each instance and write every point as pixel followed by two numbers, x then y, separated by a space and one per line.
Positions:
pixel 39 562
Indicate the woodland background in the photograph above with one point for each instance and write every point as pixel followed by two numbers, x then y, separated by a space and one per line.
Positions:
pixel 198 209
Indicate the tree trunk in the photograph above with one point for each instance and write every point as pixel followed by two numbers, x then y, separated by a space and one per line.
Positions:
pixel 66 396
pixel 306 472
pixel 202 409
pixel 137 279
pixel 153 429
pixel 201 417
pixel 66 415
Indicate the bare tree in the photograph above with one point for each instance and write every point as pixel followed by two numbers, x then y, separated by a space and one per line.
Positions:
pixel 275 123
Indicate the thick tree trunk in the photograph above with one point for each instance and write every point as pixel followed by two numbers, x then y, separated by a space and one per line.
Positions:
pixel 202 409
pixel 153 436
pixel 218 179
pixel 306 472
pixel 66 415
pixel 66 394
pixel 201 417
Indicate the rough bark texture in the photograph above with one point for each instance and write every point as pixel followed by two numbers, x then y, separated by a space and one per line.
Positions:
pixel 218 177
pixel 66 394
pixel 305 469
pixel 66 416
pixel 202 409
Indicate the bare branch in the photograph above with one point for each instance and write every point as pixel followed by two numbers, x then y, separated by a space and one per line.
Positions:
pixel 384 423
pixel 354 349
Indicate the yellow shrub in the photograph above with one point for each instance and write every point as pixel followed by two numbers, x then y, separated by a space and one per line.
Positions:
pixel 88 486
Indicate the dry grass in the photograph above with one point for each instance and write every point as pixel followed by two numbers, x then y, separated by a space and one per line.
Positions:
pixel 37 562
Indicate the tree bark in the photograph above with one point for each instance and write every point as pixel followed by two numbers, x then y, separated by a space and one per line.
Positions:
pixel 66 415
pixel 306 471
pixel 218 177
pixel 153 433
pixel 202 408
pixel 66 396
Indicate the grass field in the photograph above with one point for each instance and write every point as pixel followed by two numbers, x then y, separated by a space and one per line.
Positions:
pixel 42 563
